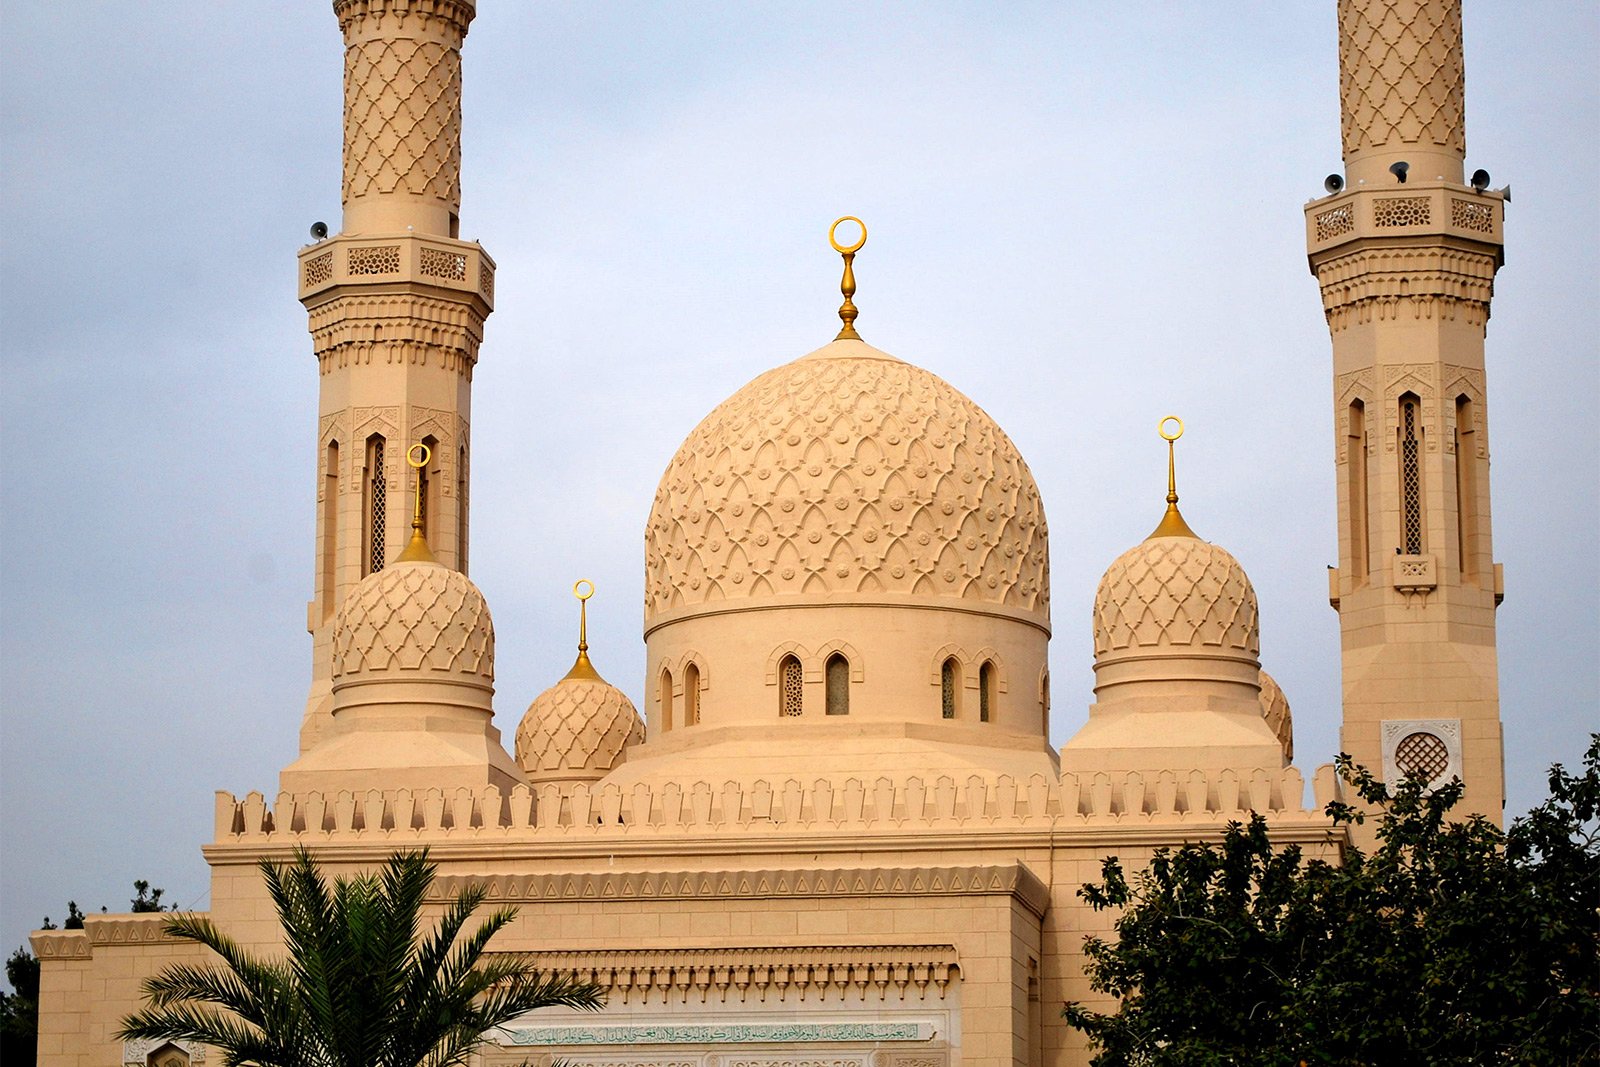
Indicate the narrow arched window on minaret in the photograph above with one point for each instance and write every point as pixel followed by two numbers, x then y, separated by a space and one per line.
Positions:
pixel 461 509
pixel 1410 476
pixel 985 690
pixel 836 678
pixel 1466 442
pixel 374 506
pixel 330 527
pixel 791 687
pixel 1356 487
pixel 428 489
pixel 949 685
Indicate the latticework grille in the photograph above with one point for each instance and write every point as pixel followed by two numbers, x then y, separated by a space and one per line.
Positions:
pixel 380 493
pixel 791 686
pixel 1423 755
pixel 1410 480
pixel 947 689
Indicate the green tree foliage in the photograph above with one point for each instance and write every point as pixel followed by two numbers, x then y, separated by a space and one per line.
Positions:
pixel 1451 943
pixel 147 899
pixel 358 986
pixel 19 1010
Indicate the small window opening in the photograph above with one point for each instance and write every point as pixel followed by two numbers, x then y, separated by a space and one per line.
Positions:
pixel 330 530
pixel 949 682
pixel 838 685
pixel 1356 488
pixel 666 701
pixel 1410 475
pixel 375 493
pixel 1466 487
pixel 985 690
pixel 791 686
pixel 691 695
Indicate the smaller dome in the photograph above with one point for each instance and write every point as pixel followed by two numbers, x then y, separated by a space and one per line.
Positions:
pixel 1275 709
pixel 1176 592
pixel 414 615
pixel 577 729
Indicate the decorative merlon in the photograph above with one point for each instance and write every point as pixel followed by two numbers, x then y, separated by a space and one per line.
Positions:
pixel 645 813
pixel 879 972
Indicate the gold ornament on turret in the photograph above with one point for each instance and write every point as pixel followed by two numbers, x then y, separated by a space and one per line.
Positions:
pixel 847 286
pixel 417 550
pixel 583 589
pixel 1172 524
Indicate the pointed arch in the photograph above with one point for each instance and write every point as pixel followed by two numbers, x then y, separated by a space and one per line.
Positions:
pixel 665 696
pixel 791 687
pixel 374 505
pixel 1413 526
pixel 691 694
pixel 836 685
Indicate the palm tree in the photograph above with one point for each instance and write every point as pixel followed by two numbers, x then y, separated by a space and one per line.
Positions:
pixel 357 987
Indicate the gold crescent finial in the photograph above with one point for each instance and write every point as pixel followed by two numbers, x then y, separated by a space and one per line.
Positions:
pixel 583 589
pixel 1172 524
pixel 417 457
pixel 847 286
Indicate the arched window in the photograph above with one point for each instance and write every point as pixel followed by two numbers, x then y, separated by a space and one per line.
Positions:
pixel 1466 486
pixel 1356 488
pixel 461 509
pixel 374 505
pixel 330 530
pixel 428 489
pixel 791 686
pixel 691 695
pixel 838 684
pixel 949 687
pixel 666 701
pixel 1044 703
pixel 985 690
pixel 1410 431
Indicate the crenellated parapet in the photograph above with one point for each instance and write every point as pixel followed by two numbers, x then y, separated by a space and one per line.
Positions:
pixel 734 811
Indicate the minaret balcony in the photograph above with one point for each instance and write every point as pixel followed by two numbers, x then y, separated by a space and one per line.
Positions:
pixel 1415 209
pixel 403 260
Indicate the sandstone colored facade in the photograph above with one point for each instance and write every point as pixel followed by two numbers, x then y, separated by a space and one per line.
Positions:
pixel 839 834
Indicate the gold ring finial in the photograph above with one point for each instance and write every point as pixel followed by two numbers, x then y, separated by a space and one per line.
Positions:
pixel 1161 428
pixel 1172 524
pixel 583 589
pixel 847 285
pixel 417 550
pixel 841 249
pixel 416 462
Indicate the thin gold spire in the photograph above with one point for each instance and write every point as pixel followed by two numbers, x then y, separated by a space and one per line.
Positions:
pixel 847 286
pixel 417 550
pixel 582 669
pixel 1172 524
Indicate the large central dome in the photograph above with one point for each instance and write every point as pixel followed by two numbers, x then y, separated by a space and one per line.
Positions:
pixel 846 473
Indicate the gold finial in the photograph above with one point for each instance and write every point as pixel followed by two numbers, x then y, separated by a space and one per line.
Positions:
pixel 417 550
pixel 847 310
pixel 583 589
pixel 1172 524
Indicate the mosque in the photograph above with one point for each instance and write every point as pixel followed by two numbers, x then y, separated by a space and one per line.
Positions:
pixel 838 833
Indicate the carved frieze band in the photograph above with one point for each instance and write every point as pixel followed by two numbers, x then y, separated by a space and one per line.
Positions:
pixel 752 975
pixel 1009 880
pixel 716 1033
pixel 396 328
pixel 1393 283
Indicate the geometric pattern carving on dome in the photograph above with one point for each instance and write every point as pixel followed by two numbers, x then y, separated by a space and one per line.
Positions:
pixel 842 474
pixel 1401 75
pixel 1275 709
pixel 1175 592
pixel 413 617
pixel 578 724
pixel 402 118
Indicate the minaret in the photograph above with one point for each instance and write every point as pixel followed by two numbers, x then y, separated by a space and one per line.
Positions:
pixel 397 304
pixel 1406 256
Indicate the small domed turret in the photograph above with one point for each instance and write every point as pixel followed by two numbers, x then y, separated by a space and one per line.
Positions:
pixel 579 728
pixel 1176 657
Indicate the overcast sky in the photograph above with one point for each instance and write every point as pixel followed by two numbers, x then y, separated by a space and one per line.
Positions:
pixel 1084 216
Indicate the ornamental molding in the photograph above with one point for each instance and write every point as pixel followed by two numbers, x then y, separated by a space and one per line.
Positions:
pixel 704 1034
pixel 136 1052
pixel 61 944
pixel 1447 731
pixel 1013 880
pixel 748 975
